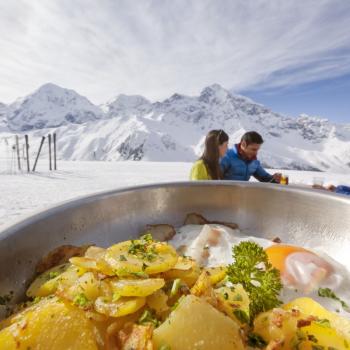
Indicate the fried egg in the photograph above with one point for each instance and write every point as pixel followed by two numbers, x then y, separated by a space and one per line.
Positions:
pixel 299 267
pixel 303 270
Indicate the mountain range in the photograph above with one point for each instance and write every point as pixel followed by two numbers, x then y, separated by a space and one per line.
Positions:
pixel 134 128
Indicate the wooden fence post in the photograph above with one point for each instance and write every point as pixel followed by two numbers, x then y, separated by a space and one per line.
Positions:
pixel 18 157
pixel 50 151
pixel 37 156
pixel 54 151
pixel 27 152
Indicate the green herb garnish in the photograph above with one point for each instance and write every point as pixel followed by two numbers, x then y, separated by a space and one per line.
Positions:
pixel 328 293
pixel 143 248
pixel 81 300
pixel 175 287
pixel 241 315
pixel 148 317
pixel 259 279
pixel 256 341
pixel 323 322
pixel 53 274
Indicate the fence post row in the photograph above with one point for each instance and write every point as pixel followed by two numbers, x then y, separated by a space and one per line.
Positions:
pixel 24 152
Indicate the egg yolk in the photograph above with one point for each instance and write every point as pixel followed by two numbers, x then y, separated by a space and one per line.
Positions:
pixel 278 253
pixel 299 266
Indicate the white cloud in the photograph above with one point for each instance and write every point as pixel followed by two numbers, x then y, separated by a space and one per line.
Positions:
pixel 104 47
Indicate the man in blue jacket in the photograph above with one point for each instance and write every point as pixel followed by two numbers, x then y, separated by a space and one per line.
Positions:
pixel 240 162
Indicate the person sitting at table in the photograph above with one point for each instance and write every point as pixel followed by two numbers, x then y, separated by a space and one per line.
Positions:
pixel 207 166
pixel 240 162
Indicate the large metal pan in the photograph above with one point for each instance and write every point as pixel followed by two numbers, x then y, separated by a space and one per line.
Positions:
pixel 296 215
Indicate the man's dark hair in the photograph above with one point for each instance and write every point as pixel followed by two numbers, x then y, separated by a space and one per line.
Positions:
pixel 252 137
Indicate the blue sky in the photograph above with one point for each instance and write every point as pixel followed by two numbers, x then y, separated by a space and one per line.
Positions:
pixel 292 55
pixel 328 98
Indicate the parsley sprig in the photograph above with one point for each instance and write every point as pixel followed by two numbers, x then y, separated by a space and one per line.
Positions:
pixel 255 273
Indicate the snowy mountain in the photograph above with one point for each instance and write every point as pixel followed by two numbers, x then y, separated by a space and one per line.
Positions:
pixel 3 117
pixel 124 105
pixel 51 106
pixel 133 128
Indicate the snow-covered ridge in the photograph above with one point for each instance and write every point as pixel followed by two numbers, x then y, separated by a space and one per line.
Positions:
pixel 133 128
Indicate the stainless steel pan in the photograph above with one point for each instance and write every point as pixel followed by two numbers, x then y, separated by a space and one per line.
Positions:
pixel 296 215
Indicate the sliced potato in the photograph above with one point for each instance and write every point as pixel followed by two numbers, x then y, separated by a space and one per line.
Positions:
pixel 86 263
pixel 188 276
pixel 135 337
pixel 50 324
pixel 203 285
pixel 149 258
pixel 158 302
pixel 121 307
pixel 308 306
pixel 92 264
pixel 40 288
pixel 326 337
pixel 234 302
pixel 188 328
pixel 94 252
pixel 136 287
pixel 184 263
pixel 86 288
pixel 46 283
pixel 276 324
pixel 293 327
pixel 216 274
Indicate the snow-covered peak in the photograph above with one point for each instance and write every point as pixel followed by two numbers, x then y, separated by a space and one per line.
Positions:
pixel 51 106
pixel 126 105
pixel 215 94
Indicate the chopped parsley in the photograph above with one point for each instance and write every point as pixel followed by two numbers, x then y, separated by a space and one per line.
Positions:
pixel 53 274
pixel 81 300
pixel 175 287
pixel 140 274
pixel 256 341
pixel 241 315
pixel 328 293
pixel 143 248
pixel 148 317
pixel 323 322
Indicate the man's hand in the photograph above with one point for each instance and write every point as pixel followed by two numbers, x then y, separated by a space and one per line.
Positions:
pixel 277 177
